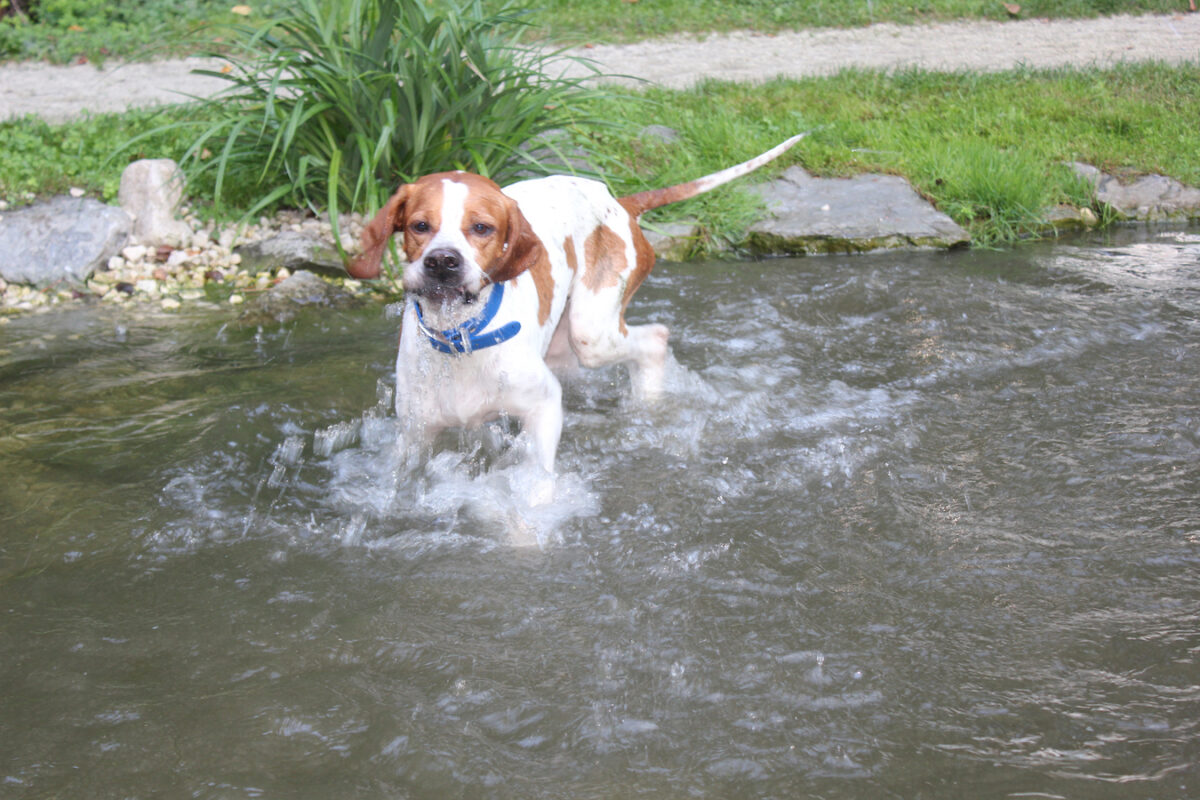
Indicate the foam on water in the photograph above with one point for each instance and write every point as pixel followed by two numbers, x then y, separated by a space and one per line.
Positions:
pixel 355 483
pixel 478 487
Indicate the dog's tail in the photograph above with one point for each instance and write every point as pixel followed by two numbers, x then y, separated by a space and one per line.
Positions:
pixel 638 204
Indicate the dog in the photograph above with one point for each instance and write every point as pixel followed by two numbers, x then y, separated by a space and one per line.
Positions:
pixel 505 286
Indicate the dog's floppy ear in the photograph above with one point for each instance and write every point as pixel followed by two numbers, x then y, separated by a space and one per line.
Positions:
pixel 522 247
pixel 377 233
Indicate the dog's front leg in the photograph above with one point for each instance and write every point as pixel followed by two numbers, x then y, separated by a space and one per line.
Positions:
pixel 415 441
pixel 541 423
pixel 544 427
pixel 415 408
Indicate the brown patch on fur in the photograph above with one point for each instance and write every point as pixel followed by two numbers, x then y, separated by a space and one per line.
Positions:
pixel 377 233
pixel 544 282
pixel 645 263
pixel 424 204
pixel 638 204
pixel 520 249
pixel 604 259
pixel 572 258
pixel 486 204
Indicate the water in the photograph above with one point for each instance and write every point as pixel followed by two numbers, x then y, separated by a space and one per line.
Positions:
pixel 906 526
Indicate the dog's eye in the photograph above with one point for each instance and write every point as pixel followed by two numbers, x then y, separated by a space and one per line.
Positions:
pixel 420 226
pixel 482 229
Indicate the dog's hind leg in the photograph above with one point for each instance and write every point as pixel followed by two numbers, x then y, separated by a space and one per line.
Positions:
pixel 599 340
pixel 648 360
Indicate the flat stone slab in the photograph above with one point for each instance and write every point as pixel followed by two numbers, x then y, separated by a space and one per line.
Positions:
pixel 809 216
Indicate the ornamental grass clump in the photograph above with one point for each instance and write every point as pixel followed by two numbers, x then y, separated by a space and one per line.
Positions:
pixel 336 102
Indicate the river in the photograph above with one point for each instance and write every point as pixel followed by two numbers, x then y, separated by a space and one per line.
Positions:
pixel 907 525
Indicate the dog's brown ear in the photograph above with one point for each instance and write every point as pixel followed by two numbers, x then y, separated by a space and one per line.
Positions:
pixel 522 247
pixel 377 233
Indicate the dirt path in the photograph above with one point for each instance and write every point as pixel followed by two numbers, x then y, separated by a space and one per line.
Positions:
pixel 679 61
pixel 58 93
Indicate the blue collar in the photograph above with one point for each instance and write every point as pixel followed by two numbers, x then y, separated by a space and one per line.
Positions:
pixel 466 337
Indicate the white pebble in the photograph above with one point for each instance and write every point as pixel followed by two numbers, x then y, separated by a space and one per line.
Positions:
pixel 134 253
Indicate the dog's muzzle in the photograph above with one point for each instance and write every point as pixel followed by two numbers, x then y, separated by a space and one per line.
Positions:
pixel 444 266
pixel 444 271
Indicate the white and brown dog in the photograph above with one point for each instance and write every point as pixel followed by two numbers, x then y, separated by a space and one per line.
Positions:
pixel 505 284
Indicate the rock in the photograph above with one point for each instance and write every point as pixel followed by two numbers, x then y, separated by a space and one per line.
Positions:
pixel 1149 198
pixel 673 241
pixel 63 239
pixel 151 191
pixel 291 250
pixel 1066 217
pixel 869 212
pixel 555 153
pixel 660 133
pixel 287 299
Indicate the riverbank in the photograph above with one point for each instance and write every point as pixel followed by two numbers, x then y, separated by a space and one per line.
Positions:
pixel 57 93
pixel 891 150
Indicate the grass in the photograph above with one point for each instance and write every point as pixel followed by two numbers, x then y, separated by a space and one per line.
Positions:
pixel 987 148
pixel 41 159
pixel 62 31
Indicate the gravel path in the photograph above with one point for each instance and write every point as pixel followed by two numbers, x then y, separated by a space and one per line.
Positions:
pixel 57 93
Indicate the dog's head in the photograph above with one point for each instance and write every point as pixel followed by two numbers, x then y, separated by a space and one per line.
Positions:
pixel 460 234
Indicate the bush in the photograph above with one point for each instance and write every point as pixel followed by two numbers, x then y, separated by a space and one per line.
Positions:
pixel 336 102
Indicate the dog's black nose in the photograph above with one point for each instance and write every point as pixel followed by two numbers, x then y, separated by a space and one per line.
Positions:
pixel 443 265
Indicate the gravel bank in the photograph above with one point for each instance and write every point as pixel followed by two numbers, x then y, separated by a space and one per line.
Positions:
pixel 205 270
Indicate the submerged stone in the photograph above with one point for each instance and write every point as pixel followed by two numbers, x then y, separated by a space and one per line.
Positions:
pixel 1068 217
pixel 810 216
pixel 287 299
pixel 292 250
